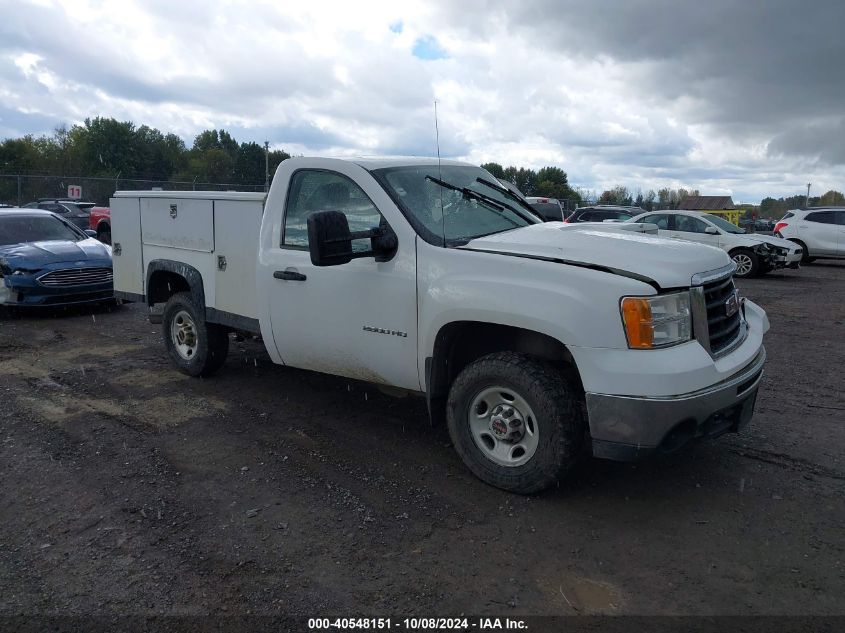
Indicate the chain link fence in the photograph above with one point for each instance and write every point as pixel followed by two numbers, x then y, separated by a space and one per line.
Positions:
pixel 20 189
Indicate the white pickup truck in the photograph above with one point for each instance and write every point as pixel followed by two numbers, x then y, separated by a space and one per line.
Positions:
pixel 537 342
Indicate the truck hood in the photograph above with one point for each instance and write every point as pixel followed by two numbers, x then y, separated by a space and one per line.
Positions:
pixel 615 247
pixel 36 255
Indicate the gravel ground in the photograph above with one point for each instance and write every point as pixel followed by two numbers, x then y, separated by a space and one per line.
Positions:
pixel 128 488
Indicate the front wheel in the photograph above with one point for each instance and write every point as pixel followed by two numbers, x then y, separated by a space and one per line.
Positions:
pixel 516 422
pixel 196 347
pixel 747 262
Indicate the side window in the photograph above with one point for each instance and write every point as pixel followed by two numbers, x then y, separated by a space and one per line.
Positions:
pixel 587 216
pixel 52 206
pixel 822 217
pixel 840 218
pixel 689 224
pixel 312 191
pixel 660 219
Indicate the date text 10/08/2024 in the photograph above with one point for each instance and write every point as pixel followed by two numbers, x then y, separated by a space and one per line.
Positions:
pixel 435 624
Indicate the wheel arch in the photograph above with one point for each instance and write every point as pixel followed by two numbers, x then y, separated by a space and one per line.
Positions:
pixel 806 254
pixel 459 343
pixel 166 277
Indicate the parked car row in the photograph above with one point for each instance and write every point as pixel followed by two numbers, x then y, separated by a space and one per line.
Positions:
pixel 76 212
pixel 753 254
pixel 800 236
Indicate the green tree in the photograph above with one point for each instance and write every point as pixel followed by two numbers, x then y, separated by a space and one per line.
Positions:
pixel 107 147
pixel 495 169
pixel 832 197
pixel 618 195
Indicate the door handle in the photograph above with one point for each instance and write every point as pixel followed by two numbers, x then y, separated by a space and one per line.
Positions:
pixel 289 275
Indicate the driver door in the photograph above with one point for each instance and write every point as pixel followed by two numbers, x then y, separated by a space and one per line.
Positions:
pixel 357 319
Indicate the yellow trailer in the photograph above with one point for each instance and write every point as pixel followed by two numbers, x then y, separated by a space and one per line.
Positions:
pixel 731 215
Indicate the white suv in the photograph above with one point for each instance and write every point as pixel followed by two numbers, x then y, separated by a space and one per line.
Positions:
pixel 820 231
pixel 753 254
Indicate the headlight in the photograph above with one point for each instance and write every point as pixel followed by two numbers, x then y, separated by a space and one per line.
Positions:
pixel 659 321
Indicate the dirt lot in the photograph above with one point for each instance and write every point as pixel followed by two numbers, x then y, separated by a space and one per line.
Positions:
pixel 130 488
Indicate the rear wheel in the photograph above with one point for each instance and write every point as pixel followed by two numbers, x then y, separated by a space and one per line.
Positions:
pixel 805 253
pixel 747 262
pixel 196 347
pixel 516 422
pixel 104 235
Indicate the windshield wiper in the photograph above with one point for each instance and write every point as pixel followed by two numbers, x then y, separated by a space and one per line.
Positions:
pixel 487 201
pixel 510 194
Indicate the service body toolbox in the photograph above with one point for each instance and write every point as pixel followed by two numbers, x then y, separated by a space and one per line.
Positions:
pixel 215 233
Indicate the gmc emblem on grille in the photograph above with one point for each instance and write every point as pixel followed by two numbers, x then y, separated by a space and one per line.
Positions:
pixel 731 305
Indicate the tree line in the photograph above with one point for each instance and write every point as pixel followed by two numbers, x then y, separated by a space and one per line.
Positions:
pixel 775 208
pixel 107 148
pixel 552 182
pixel 119 150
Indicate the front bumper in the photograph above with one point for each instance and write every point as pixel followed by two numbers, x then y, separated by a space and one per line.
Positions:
pixel 24 290
pixel 630 428
pixel 790 260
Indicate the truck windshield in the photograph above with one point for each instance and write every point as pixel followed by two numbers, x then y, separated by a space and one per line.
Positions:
pixel 435 202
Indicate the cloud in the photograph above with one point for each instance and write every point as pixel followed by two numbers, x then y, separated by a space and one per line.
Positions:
pixel 726 97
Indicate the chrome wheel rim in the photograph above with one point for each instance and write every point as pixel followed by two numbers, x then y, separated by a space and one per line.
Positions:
pixel 183 331
pixel 503 426
pixel 743 264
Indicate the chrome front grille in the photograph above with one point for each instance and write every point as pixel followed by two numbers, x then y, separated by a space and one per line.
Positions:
pixel 720 306
pixel 75 277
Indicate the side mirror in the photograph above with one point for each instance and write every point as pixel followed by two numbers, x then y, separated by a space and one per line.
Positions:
pixel 711 230
pixel 90 233
pixel 330 240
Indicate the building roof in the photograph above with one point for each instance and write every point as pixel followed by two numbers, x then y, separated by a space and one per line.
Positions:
pixel 706 203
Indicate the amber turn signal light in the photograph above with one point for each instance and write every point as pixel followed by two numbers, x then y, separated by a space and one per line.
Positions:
pixel 639 325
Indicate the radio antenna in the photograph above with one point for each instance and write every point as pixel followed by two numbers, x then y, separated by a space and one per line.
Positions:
pixel 439 174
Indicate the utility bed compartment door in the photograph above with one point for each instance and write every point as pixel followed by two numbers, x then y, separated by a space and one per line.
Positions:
pixel 178 223
pixel 126 242
pixel 237 225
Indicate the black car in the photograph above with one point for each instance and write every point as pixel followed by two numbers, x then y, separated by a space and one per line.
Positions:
pixel 600 213
pixel 76 212
pixel 550 208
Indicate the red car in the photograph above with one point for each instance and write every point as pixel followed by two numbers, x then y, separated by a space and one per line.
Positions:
pixel 100 221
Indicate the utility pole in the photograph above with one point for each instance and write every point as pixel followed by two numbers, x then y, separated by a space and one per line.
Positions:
pixel 266 166
pixel 808 194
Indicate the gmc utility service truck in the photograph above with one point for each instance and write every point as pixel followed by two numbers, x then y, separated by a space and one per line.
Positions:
pixel 537 342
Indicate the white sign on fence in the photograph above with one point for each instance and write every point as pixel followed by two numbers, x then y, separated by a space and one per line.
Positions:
pixel 74 192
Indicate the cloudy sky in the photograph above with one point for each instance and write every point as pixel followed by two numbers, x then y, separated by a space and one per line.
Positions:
pixel 739 97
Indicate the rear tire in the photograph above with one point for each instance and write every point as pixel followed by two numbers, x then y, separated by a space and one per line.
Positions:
pixel 104 235
pixel 197 348
pixel 508 392
pixel 747 263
